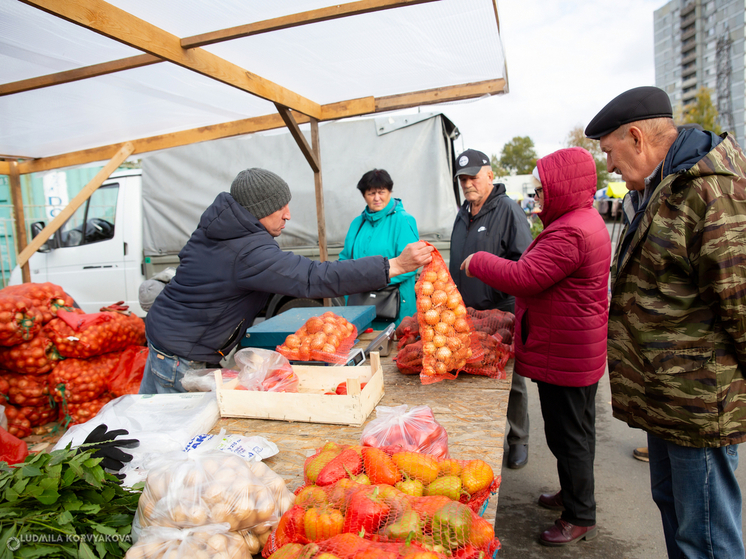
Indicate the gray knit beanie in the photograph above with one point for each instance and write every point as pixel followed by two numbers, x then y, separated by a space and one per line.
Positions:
pixel 260 191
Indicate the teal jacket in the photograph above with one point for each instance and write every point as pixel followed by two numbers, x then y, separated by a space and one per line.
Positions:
pixel 385 233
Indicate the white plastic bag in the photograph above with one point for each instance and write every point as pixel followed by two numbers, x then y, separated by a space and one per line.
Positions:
pixel 265 370
pixel 203 380
pixel 203 542
pixel 3 418
pixel 248 448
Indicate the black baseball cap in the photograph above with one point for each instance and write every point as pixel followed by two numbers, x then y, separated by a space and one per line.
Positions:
pixel 640 103
pixel 470 162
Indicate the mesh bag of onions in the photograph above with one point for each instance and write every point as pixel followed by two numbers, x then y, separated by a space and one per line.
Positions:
pixel 328 338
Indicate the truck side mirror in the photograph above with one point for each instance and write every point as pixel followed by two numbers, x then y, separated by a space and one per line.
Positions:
pixel 36 228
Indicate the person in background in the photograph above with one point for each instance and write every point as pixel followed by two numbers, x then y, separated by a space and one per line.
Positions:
pixel 677 326
pixel 490 221
pixel 561 289
pixel 227 271
pixel 384 228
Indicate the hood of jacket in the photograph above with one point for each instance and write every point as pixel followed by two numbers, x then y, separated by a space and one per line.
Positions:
pixel 568 177
pixel 226 219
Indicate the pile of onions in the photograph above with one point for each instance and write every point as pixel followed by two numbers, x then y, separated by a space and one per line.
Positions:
pixel 442 317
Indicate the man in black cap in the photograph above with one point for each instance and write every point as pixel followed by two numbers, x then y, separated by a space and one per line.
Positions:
pixel 489 220
pixel 677 327
pixel 227 271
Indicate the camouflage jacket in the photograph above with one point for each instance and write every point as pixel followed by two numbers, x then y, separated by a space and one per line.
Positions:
pixel 677 322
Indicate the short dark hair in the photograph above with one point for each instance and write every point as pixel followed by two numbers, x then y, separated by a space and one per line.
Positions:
pixel 377 178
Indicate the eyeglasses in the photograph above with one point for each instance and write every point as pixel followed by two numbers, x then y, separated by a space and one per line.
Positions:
pixel 538 191
pixel 372 193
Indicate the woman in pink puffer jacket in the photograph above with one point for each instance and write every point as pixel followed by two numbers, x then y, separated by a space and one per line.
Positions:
pixel 561 289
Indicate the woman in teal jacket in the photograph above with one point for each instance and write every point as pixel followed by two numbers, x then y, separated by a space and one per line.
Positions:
pixel 383 229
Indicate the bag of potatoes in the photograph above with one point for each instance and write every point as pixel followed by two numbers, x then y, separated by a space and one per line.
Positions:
pixel 212 541
pixel 185 490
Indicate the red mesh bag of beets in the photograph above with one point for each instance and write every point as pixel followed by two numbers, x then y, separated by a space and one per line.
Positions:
pixel 126 374
pixel 34 357
pixel 95 334
pixel 82 380
pixel 72 414
pixel 47 297
pixel 407 332
pixel 496 357
pixel 27 390
pixel 494 322
pixel 328 338
pixel 20 320
pixel 409 359
pixel 446 331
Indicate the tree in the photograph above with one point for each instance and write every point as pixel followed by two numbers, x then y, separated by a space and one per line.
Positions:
pixel 701 112
pixel 497 169
pixel 576 138
pixel 518 156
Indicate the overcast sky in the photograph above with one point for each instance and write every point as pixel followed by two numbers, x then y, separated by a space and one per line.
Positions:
pixel 566 59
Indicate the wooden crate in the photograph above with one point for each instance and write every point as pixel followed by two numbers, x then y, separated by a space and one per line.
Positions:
pixel 310 404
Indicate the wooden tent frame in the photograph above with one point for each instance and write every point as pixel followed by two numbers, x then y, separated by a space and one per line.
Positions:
pixel 160 46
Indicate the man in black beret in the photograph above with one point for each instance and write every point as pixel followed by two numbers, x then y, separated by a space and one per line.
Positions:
pixel 677 330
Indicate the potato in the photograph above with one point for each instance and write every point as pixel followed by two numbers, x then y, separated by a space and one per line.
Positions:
pixel 252 542
pixel 221 512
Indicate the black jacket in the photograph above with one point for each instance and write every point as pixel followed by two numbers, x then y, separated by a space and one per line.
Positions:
pixel 227 271
pixel 500 228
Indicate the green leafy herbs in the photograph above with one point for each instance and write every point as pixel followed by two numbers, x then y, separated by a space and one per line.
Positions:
pixel 63 504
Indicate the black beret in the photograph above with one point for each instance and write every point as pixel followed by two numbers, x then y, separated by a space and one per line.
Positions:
pixel 639 103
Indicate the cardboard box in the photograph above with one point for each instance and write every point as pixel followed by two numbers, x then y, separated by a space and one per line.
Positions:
pixel 310 404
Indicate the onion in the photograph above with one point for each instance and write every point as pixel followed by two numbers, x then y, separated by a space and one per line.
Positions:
pixel 441 328
pixel 432 317
pixel 329 328
pixel 427 333
pixel 329 348
pixel 454 300
pixel 443 275
pixel 454 343
pixel 439 286
pixel 314 324
pixel 460 310
pixel 440 368
pixel 424 304
pixel 429 275
pixel 461 325
pixel 318 341
pixel 429 348
pixel 439 340
pixel 443 354
pixel 426 288
pixel 448 316
pixel 439 297
pixel 292 341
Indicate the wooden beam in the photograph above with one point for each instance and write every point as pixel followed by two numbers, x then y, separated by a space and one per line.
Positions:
pixel 79 74
pixel 331 111
pixel 441 95
pixel 16 197
pixel 319 189
pixel 4 167
pixel 299 138
pixel 112 22
pixel 75 203
pixel 294 20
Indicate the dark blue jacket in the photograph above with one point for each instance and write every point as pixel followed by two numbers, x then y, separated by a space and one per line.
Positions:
pixel 228 270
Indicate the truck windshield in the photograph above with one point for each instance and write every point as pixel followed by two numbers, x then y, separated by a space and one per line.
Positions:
pixel 92 222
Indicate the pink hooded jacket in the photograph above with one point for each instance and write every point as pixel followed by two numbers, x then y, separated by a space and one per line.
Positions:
pixel 561 281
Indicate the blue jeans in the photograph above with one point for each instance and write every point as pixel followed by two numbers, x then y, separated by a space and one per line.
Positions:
pixel 699 499
pixel 163 372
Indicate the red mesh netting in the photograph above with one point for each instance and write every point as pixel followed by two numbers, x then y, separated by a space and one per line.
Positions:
pixel 34 357
pixel 409 359
pixel 328 338
pixel 27 390
pixel 445 327
pixel 96 333
pixel 407 332
pixel 47 297
pixel 72 414
pixel 388 504
pixel 20 320
pixel 82 380
pixel 18 424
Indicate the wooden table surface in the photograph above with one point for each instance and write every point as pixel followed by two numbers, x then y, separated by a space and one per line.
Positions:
pixel 472 409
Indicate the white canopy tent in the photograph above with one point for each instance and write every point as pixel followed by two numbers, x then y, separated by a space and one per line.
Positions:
pixel 89 81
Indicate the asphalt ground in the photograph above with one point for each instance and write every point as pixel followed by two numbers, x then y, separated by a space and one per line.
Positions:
pixel 629 524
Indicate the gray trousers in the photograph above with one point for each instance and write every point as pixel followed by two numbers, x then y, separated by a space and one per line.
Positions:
pixel 517 412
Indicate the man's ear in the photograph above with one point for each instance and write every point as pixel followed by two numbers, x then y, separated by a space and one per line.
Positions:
pixel 637 137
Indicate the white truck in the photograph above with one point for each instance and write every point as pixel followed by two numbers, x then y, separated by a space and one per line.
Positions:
pixel 135 224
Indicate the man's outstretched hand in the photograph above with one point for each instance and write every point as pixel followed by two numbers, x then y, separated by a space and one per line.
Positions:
pixel 414 255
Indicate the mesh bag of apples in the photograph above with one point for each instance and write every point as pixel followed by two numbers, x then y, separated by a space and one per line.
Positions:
pixel 446 331
pixel 361 502
pixel 328 338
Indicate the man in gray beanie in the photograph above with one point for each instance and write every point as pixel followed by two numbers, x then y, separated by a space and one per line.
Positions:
pixel 229 268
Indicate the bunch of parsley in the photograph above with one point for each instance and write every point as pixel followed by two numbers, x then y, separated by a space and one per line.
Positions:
pixel 63 504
